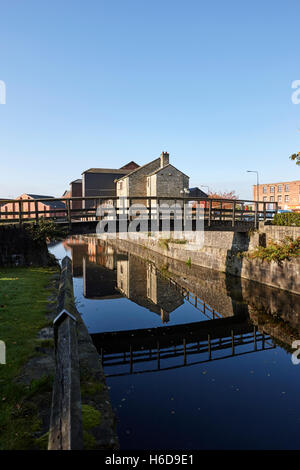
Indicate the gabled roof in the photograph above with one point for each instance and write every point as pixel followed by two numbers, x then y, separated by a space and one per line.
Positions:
pixel 130 166
pixel 79 180
pixel 38 196
pixel 164 167
pixel 53 204
pixel 197 192
pixel 137 169
pixel 106 170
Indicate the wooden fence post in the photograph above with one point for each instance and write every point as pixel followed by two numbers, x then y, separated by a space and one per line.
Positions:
pixel 69 212
pixel 36 212
pixel 209 213
pixel 256 215
pixel 20 211
pixel 66 422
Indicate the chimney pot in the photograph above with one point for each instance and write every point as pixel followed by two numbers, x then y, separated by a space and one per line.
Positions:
pixel 164 159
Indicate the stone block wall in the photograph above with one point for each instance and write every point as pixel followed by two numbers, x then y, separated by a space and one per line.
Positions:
pixel 278 232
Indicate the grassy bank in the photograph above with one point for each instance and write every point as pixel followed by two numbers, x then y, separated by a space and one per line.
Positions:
pixel 24 301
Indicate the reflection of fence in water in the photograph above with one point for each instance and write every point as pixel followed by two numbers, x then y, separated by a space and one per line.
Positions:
pixel 194 300
pixel 199 348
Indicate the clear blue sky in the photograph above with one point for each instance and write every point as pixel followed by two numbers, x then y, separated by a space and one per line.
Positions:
pixel 94 83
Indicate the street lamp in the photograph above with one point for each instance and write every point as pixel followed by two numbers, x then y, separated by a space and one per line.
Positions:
pixel 257 183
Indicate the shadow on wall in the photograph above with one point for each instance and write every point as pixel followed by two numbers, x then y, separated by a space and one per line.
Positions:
pixel 234 263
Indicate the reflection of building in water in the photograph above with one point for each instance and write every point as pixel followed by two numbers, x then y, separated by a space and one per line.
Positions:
pixel 98 281
pixel 140 283
pixel 78 249
pixel 99 271
pixel 161 293
pixel 108 274
pixel 103 255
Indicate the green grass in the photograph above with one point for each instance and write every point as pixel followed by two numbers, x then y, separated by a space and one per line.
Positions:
pixel 24 298
pixel 90 418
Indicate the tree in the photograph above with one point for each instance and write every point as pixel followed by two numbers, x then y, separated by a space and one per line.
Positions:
pixel 296 156
pixel 222 195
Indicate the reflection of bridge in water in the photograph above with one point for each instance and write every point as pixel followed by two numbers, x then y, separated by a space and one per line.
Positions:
pixel 161 285
pixel 206 341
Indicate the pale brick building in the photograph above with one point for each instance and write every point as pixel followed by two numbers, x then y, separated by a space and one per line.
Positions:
pixel 29 203
pixel 286 194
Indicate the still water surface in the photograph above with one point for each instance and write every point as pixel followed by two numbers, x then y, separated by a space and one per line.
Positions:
pixel 216 373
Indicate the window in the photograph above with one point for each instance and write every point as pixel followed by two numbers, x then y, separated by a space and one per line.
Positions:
pixel 272 189
pixel 286 188
pixel 279 188
pixel 265 198
pixel 272 198
pixel 279 198
pixel 121 185
pixel 286 198
pixel 265 189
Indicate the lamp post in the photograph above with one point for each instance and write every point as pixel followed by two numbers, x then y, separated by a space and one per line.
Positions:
pixel 257 184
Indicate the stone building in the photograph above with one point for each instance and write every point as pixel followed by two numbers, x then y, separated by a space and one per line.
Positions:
pixel 157 178
pixel 286 193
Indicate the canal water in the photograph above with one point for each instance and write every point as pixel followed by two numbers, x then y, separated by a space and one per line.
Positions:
pixel 194 359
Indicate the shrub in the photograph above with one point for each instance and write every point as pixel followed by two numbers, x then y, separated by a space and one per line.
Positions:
pixel 46 230
pixel 287 218
pixel 277 251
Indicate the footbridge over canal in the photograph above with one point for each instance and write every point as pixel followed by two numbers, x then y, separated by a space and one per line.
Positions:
pixel 82 214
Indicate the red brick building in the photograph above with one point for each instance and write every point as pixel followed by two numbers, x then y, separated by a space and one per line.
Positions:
pixel 29 206
pixel 286 193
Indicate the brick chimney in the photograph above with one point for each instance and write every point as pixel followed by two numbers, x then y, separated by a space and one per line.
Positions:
pixel 164 159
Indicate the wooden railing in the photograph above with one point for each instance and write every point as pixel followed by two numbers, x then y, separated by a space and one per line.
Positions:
pixel 163 357
pixel 85 209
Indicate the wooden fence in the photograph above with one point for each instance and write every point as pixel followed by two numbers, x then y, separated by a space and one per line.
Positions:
pixel 66 422
pixel 80 209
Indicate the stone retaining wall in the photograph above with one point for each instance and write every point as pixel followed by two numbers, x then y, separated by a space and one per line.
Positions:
pixel 220 252
pixel 91 370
